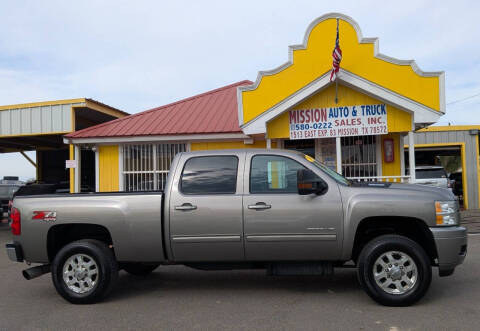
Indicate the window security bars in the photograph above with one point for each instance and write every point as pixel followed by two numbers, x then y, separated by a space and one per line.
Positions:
pixel 146 166
pixel 359 157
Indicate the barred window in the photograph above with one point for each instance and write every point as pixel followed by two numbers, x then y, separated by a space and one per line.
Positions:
pixel 146 166
pixel 359 156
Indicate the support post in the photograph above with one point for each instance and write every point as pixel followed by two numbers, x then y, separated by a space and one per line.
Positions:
pixel 269 143
pixel 28 158
pixel 38 170
pixel 77 169
pixel 336 90
pixel 338 143
pixel 336 74
pixel 121 185
pixel 71 171
pixel 378 154
pixel 411 155
pixel 402 156
pixel 97 169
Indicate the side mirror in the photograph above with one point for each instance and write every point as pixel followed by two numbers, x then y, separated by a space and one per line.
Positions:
pixel 309 183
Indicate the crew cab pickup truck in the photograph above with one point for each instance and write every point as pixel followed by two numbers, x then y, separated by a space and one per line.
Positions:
pixel 273 209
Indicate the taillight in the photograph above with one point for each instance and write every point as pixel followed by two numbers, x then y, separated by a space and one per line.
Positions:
pixel 16 224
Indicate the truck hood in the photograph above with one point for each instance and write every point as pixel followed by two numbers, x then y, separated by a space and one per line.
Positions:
pixel 435 193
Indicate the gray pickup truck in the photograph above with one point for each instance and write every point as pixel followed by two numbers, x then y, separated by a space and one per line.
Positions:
pixel 272 209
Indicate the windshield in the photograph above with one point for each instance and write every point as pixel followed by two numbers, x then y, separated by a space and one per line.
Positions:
pixel 336 176
pixel 7 191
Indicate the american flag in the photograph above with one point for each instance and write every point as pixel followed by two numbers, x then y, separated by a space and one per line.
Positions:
pixel 337 57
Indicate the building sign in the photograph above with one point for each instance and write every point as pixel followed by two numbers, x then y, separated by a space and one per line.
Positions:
pixel 359 120
pixel 70 164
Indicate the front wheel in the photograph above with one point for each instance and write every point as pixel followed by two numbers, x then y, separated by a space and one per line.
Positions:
pixel 394 270
pixel 84 271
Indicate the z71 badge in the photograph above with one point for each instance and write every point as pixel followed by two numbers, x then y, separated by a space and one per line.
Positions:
pixel 47 216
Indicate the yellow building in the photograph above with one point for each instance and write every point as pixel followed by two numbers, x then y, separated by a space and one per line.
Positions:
pixel 355 124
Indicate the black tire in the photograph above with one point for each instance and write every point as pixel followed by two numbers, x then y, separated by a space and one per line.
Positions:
pixel 139 269
pixel 383 244
pixel 106 267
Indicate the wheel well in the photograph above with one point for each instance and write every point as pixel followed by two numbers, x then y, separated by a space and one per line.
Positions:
pixel 61 235
pixel 412 228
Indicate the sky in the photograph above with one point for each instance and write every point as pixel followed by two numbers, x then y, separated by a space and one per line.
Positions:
pixel 136 55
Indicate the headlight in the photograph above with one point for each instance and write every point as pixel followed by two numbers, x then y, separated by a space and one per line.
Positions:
pixel 446 213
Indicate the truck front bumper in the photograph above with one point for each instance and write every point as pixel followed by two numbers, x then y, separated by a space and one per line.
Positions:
pixel 451 245
pixel 14 252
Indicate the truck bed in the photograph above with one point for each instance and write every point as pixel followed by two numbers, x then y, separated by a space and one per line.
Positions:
pixel 134 222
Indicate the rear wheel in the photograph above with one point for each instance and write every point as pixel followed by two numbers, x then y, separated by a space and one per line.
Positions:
pixel 84 271
pixel 139 269
pixel 394 270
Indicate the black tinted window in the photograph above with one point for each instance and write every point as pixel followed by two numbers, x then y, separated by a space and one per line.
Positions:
pixel 273 174
pixel 210 175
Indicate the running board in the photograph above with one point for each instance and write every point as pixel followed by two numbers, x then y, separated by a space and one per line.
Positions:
pixel 307 268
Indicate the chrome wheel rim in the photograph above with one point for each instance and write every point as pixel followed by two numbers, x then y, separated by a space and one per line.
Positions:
pixel 395 272
pixel 80 273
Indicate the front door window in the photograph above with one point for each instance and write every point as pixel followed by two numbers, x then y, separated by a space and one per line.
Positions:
pixel 273 174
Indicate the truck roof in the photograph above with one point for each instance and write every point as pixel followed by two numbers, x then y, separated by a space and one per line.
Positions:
pixel 241 150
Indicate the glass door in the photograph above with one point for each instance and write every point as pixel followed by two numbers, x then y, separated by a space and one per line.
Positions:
pixel 306 146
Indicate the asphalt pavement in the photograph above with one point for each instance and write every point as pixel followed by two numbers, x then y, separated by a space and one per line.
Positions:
pixel 180 298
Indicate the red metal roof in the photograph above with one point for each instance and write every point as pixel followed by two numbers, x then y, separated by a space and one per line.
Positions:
pixel 215 111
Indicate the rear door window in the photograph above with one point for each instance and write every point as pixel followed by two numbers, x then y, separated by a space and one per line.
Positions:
pixel 210 175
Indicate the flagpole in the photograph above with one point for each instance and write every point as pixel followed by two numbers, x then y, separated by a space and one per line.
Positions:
pixel 336 77
pixel 336 89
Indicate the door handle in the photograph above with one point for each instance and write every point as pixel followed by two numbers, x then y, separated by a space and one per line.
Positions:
pixel 186 206
pixel 259 206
